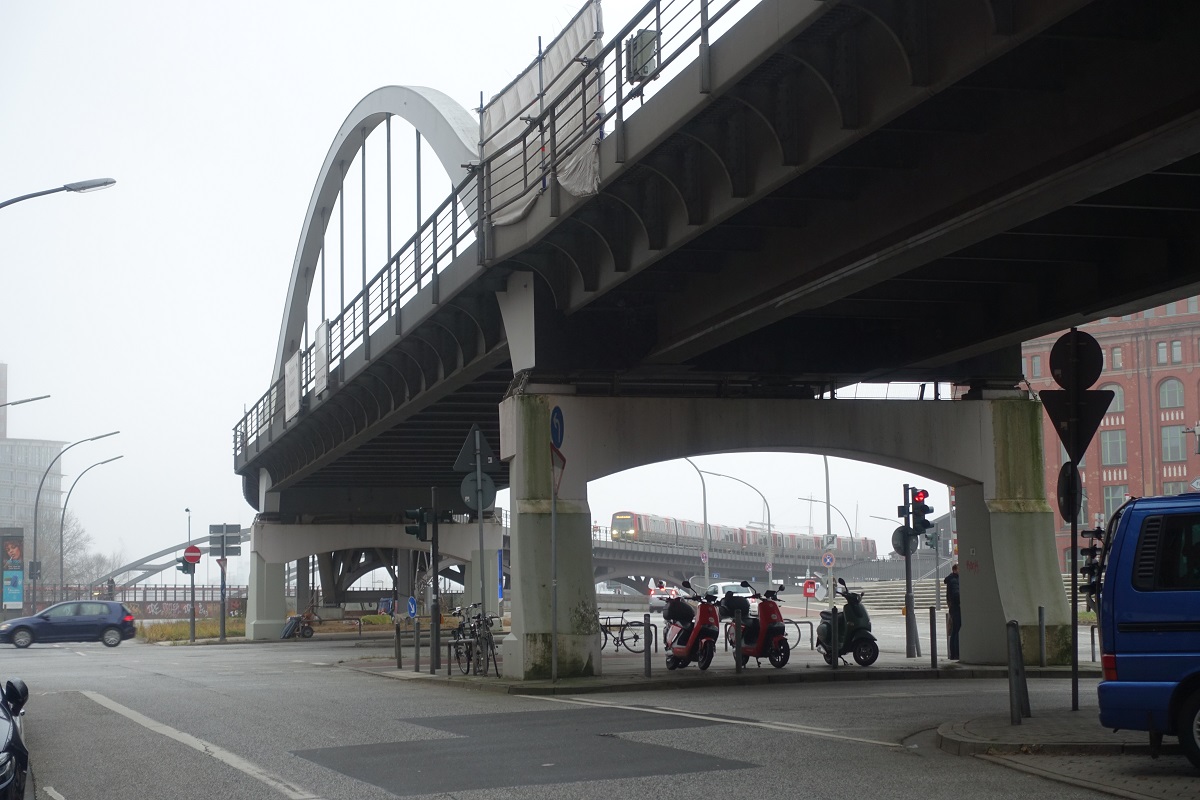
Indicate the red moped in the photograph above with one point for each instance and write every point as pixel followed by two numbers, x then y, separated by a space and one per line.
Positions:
pixel 691 633
pixel 763 636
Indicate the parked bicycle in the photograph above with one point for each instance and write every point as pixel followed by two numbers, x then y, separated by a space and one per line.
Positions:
pixel 630 634
pixel 463 638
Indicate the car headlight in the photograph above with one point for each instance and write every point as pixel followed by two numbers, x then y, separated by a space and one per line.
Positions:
pixel 7 767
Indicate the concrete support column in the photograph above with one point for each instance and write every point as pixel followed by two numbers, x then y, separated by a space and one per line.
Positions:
pixel 525 443
pixel 303 584
pixel 491 574
pixel 266 607
pixel 1008 565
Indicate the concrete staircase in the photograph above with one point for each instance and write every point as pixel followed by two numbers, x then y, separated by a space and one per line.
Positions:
pixel 889 595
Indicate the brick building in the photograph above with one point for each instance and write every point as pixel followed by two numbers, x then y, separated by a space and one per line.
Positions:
pixel 1146 442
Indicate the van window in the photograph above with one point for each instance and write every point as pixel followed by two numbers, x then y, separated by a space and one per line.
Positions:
pixel 1168 554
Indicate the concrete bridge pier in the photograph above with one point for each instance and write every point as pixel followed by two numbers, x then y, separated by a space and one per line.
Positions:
pixel 525 441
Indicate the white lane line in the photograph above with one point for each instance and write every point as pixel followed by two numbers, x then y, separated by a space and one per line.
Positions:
pixel 55 795
pixel 786 727
pixel 237 762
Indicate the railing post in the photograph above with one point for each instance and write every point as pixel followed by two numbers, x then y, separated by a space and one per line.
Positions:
pixel 555 201
pixel 1041 636
pixel 737 641
pixel 646 642
pixel 705 59
pixel 1018 691
pixel 933 637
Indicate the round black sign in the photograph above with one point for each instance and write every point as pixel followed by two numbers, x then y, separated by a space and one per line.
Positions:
pixel 1088 362
pixel 1070 492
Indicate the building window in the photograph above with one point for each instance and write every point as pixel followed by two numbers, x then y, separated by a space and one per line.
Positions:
pixel 1035 364
pixel 1161 353
pixel 1117 361
pixel 1193 305
pixel 1170 309
pixel 1170 394
pixel 1176 352
pixel 1174 487
pixel 1172 444
pixel 1118 402
pixel 1112 448
pixel 1148 313
pixel 1114 496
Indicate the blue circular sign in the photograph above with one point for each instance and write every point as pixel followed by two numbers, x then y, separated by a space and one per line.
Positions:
pixel 556 427
pixel 412 606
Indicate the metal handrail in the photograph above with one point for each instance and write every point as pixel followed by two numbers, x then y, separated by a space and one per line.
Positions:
pixel 438 240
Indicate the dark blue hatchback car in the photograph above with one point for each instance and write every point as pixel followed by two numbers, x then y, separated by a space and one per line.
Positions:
pixel 74 621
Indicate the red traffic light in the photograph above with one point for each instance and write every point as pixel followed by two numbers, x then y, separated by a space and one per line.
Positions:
pixel 920 495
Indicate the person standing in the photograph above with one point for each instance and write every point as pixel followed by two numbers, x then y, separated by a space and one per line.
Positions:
pixel 952 601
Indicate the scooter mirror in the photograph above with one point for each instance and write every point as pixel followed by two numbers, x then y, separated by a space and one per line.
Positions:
pixel 686 585
pixel 842 581
pixel 780 589
pixel 746 584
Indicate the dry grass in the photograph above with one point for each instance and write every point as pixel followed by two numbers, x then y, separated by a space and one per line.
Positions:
pixel 182 631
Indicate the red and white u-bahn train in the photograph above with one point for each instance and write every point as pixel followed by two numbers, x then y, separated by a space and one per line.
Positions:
pixel 629 526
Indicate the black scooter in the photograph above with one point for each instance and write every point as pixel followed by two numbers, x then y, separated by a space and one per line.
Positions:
pixel 853 627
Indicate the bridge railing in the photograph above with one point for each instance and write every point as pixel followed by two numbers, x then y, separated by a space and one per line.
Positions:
pixel 578 113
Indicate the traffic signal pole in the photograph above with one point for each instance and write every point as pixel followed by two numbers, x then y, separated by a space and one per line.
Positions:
pixel 192 575
pixel 910 618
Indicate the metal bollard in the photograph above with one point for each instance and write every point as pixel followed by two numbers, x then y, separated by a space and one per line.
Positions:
pixel 1018 691
pixel 399 658
pixel 933 637
pixel 1041 636
pixel 737 641
pixel 416 647
pixel 646 642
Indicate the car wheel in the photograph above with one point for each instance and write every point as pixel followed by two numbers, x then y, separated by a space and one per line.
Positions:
pixel 708 649
pixel 865 652
pixel 1189 728
pixel 779 655
pixel 22 638
pixel 111 637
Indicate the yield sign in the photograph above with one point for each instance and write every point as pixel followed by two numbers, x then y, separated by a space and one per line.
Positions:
pixel 1088 412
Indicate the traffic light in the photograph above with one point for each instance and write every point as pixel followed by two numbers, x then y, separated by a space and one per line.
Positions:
pixel 919 511
pixel 35 570
pixel 1090 570
pixel 420 516
pixel 185 566
pixel 931 540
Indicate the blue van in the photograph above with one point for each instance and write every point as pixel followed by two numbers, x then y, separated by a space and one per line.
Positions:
pixel 1149 620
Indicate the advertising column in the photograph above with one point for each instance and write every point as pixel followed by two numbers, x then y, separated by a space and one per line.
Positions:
pixel 12 549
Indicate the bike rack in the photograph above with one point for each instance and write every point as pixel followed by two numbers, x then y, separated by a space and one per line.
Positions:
pixel 798 623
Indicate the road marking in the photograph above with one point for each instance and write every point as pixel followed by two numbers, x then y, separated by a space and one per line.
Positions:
pixel 50 791
pixel 207 748
pixel 786 727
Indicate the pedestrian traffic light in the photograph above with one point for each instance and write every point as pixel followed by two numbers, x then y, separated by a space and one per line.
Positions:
pixel 931 540
pixel 1090 570
pixel 420 529
pixel 185 566
pixel 35 570
pixel 919 511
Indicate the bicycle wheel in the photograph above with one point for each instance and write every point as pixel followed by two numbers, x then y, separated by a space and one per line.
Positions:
pixel 462 656
pixel 633 636
pixel 604 636
pixel 481 657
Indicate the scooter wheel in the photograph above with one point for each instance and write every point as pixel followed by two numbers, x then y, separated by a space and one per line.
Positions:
pixel 741 659
pixel 828 657
pixel 779 654
pixel 865 652
pixel 672 662
pixel 708 649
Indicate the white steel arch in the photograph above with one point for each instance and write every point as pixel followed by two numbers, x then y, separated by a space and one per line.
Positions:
pixel 448 128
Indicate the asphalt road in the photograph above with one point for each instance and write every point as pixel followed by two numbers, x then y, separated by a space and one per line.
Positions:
pixel 295 720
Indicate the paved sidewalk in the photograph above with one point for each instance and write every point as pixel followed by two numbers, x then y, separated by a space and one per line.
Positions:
pixel 1062 745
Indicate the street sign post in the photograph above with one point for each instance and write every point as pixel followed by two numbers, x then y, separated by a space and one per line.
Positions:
pixel 192 556
pixel 224 541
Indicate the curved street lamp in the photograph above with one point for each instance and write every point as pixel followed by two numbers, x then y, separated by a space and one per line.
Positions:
pixel 80 186
pixel 38 496
pixel 770 532
pixel 26 400
pixel 62 522
pixel 707 534
pixel 835 508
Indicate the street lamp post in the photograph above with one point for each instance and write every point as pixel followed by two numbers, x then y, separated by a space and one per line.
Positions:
pixel 835 508
pixel 707 533
pixel 62 522
pixel 770 532
pixel 37 497
pixel 80 186
pixel 26 400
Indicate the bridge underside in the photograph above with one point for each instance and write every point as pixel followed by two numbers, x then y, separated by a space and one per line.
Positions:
pixel 868 191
